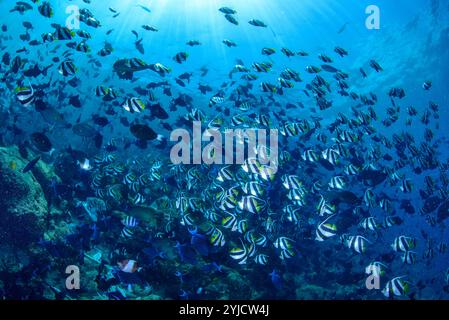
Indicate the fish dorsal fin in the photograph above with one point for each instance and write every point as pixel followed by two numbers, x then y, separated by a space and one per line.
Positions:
pixel 328 218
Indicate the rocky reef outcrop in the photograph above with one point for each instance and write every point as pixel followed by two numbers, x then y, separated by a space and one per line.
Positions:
pixel 23 205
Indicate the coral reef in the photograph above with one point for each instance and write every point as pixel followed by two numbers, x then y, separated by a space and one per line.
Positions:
pixel 23 206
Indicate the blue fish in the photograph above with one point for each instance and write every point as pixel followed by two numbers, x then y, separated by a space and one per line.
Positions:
pixel 179 275
pixel 150 254
pixel 95 232
pixel 186 252
pixel 116 295
pixel 50 246
pixel 127 278
pixel 184 295
pixel 31 165
pixel 199 242
pixel 213 267
pixel 276 280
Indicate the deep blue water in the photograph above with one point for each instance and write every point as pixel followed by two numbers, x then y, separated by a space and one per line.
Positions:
pixel 411 46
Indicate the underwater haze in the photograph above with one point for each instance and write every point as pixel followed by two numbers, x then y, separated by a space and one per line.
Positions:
pixel 116 182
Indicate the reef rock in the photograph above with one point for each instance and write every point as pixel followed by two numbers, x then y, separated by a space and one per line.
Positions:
pixel 22 200
pixel 240 285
